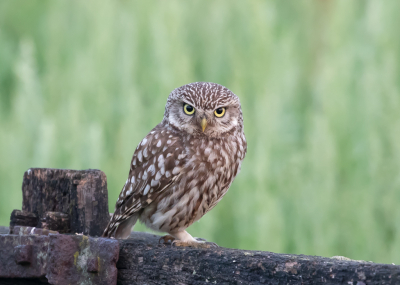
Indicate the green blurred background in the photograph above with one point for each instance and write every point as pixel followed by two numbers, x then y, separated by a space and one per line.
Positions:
pixel 82 82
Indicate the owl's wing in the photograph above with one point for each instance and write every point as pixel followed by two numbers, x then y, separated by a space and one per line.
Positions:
pixel 155 165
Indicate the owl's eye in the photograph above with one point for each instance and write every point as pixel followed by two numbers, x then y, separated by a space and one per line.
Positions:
pixel 188 109
pixel 220 112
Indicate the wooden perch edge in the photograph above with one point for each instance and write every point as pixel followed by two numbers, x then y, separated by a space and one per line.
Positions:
pixel 142 260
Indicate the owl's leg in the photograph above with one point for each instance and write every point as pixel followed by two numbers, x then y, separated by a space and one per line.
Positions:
pixel 183 238
pixel 124 229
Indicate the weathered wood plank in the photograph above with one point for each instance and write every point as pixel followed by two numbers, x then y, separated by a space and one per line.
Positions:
pixel 144 261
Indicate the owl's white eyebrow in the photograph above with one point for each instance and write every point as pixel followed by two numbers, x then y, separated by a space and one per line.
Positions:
pixel 189 103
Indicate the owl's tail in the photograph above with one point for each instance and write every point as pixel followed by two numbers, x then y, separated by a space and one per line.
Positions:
pixel 120 230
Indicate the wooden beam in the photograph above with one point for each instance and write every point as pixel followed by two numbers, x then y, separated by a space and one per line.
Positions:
pixel 144 261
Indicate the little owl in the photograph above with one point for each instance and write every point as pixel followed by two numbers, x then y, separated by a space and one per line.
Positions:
pixel 184 166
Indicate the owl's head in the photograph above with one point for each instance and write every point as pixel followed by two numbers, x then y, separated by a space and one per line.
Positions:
pixel 204 109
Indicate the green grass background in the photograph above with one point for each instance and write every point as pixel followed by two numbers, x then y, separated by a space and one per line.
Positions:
pixel 82 82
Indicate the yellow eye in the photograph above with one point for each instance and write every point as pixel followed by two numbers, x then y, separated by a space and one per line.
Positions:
pixel 220 112
pixel 188 109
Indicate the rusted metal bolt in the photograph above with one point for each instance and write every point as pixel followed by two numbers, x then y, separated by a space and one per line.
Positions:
pixel 23 254
pixel 93 265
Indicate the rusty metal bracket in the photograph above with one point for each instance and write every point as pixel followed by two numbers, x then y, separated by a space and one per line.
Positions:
pixel 62 259
pixel 23 256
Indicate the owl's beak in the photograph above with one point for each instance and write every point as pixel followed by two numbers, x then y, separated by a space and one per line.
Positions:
pixel 203 124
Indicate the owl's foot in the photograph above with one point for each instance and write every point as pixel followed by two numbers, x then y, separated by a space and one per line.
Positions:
pixel 199 243
pixel 166 239
pixel 183 238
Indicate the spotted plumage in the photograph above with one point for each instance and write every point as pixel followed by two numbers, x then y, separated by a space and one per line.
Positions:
pixel 185 165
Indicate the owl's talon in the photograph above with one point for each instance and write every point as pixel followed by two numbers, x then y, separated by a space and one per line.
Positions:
pixel 212 244
pixel 200 239
pixel 166 239
pixel 195 244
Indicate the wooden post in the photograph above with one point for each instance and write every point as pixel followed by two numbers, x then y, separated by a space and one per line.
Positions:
pixel 68 201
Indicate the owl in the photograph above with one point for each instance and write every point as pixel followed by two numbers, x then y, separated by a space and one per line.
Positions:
pixel 184 166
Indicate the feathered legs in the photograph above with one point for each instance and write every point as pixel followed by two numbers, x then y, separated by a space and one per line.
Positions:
pixel 183 238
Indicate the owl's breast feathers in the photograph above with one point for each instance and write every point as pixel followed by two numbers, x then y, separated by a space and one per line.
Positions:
pixel 175 179
pixel 212 166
